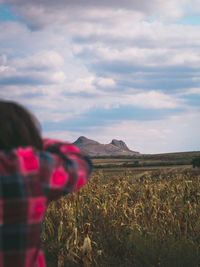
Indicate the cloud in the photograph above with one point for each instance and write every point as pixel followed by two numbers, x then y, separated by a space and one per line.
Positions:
pixel 147 56
pixel 41 68
pixel 172 134
pixel 3 60
pixel 192 91
pixel 42 13
pixel 80 85
pixel 43 60
pixel 174 7
pixel 78 112
pixel 94 63
pixel 175 133
pixel 154 99
pixel 144 55
pixel 195 7
pixel 120 48
pixel 105 83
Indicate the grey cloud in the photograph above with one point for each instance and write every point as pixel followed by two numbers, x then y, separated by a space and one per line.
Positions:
pixel 133 4
pixel 42 61
pixel 42 68
pixel 28 77
pixel 137 34
pixel 33 80
pixel 38 13
pixel 145 78
pixel 162 60
pixel 127 67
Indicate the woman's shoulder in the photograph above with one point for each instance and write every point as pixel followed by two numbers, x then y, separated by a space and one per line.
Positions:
pixel 24 160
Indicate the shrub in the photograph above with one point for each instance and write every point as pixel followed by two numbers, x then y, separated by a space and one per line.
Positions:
pixel 196 162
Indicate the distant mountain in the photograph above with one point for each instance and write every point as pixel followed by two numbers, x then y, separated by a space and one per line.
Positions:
pixel 93 148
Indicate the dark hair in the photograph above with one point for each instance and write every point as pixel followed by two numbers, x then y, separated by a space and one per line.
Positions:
pixel 18 127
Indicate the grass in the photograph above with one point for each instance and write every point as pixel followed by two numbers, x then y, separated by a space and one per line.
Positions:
pixel 127 218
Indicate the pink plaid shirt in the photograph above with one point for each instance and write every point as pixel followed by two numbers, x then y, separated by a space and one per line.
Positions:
pixel 29 180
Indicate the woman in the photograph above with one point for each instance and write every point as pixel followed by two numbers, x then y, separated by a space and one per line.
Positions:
pixel 33 172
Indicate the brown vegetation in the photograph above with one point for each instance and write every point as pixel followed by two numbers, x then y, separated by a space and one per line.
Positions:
pixel 151 219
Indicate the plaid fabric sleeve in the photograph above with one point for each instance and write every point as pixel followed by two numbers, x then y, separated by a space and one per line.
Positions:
pixel 69 168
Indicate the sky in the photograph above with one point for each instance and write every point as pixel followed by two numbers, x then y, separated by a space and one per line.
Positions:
pixel 127 70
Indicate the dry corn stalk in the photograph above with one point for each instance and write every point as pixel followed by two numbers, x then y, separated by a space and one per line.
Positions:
pixel 87 248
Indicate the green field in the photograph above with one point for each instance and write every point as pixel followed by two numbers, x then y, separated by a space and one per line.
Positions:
pixel 138 216
pixel 146 160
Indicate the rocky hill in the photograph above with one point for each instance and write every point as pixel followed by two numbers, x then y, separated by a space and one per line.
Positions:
pixel 93 148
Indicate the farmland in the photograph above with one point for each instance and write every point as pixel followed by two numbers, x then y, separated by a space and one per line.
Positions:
pixel 145 215
pixel 146 160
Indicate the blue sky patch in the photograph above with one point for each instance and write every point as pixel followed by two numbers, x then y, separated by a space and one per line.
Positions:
pixel 189 20
pixel 7 13
pixel 192 100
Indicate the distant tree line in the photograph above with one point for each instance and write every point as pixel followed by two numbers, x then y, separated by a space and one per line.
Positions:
pixel 138 164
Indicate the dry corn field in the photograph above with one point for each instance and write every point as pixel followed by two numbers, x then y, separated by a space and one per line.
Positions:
pixel 152 219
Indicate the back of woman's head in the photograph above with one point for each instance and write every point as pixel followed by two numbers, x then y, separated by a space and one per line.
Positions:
pixel 18 127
